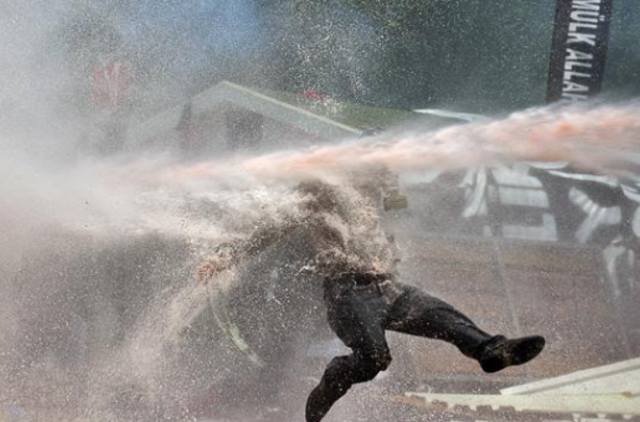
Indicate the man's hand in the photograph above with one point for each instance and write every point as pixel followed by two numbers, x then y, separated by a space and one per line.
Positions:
pixel 214 266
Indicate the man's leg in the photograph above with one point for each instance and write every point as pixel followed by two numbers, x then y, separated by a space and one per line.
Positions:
pixel 418 313
pixel 341 373
pixel 357 318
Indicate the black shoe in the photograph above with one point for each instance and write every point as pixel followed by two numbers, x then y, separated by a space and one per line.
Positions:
pixel 500 352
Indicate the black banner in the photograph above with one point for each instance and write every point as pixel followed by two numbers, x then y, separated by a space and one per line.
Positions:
pixel 579 49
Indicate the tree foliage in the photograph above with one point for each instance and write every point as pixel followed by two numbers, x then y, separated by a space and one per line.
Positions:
pixel 415 53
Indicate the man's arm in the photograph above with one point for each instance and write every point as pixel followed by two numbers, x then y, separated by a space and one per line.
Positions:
pixel 231 254
pixel 224 257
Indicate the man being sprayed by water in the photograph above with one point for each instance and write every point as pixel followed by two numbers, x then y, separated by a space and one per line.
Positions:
pixel 340 227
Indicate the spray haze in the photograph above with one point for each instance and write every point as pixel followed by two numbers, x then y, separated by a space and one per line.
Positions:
pixel 141 227
pixel 100 315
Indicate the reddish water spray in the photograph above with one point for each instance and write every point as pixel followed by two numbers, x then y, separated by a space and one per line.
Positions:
pixel 603 138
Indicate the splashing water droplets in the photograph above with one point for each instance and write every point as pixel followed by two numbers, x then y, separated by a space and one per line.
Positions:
pixel 153 221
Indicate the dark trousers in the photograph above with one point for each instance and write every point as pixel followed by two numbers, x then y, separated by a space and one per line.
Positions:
pixel 360 315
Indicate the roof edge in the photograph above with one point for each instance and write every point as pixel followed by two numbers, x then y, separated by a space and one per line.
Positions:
pixel 547 385
pixel 220 87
